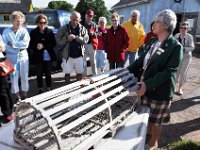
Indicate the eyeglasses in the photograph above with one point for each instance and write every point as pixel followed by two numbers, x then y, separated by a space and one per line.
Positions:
pixel 134 16
pixel 90 16
pixel 114 20
pixel 183 28
pixel 42 22
pixel 101 22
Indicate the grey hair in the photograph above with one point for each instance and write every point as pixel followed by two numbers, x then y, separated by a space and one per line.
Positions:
pixel 185 23
pixel 135 12
pixel 104 19
pixel 76 13
pixel 168 17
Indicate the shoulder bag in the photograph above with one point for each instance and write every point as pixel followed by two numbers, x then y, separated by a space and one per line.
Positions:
pixel 5 67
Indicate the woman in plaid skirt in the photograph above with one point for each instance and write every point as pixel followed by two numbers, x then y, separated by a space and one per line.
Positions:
pixel 156 69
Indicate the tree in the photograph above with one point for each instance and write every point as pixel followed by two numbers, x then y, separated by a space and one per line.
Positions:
pixel 98 6
pixel 63 5
pixel 36 8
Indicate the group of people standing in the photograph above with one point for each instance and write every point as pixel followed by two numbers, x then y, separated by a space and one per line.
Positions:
pixel 99 43
pixel 14 44
pixel 156 66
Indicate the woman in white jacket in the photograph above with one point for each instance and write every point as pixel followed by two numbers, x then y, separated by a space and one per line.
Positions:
pixel 187 41
pixel 16 39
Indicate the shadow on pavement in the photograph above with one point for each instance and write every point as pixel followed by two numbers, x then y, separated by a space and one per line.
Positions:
pixel 170 133
pixel 184 103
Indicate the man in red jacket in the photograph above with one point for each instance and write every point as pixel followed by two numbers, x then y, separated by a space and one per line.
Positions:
pixel 117 41
pixel 91 46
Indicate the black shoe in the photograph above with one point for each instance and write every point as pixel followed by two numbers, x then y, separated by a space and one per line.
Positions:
pixel 18 99
pixel 49 89
pixel 40 91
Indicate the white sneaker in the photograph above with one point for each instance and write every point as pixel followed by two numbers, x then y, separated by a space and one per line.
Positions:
pixel 147 147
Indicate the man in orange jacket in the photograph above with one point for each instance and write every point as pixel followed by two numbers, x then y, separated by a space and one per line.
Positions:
pixel 136 35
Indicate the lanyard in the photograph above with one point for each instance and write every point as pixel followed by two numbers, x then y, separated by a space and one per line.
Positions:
pixel 150 53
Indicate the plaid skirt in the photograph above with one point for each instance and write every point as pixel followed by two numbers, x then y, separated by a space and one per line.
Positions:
pixel 159 111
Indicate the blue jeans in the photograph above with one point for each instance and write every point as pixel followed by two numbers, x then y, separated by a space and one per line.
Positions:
pixel 100 58
pixel 131 55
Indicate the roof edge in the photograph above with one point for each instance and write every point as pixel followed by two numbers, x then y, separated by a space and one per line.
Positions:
pixel 130 4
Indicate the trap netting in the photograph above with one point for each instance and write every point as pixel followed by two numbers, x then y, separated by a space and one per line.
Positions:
pixel 78 115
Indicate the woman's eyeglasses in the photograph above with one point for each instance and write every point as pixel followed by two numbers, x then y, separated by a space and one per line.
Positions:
pixel 42 22
pixel 183 28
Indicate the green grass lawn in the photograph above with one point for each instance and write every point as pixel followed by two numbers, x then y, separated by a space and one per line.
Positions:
pixel 184 145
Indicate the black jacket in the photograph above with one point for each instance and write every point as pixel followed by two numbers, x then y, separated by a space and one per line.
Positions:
pixel 47 39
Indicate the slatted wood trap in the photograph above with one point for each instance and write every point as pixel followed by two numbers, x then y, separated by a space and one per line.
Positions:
pixel 78 115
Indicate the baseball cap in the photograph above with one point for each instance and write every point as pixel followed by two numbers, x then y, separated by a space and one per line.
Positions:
pixel 90 12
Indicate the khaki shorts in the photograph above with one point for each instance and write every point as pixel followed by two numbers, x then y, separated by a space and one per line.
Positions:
pixel 73 64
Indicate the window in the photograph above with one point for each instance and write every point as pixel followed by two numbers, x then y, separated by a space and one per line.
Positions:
pixel 6 18
pixel 51 16
pixel 66 17
pixel 121 18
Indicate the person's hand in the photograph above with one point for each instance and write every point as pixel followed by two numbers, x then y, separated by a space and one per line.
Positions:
pixel 9 43
pixel 100 33
pixel 142 89
pixel 71 37
pixel 40 46
pixel 1 48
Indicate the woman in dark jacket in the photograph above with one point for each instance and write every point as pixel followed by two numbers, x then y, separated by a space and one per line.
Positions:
pixel 116 43
pixel 156 68
pixel 42 43
pixel 6 102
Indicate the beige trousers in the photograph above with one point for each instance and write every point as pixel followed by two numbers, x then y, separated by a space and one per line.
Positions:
pixel 91 53
pixel 182 72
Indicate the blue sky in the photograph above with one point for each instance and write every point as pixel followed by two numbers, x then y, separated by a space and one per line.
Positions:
pixel 44 3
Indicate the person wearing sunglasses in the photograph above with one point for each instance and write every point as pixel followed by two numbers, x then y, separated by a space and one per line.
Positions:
pixel 91 46
pixel 42 44
pixel 187 41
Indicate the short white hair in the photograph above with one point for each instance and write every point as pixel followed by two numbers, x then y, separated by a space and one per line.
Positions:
pixel 76 13
pixel 104 19
pixel 168 18
pixel 135 12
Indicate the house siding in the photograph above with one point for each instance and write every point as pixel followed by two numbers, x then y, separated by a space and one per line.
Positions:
pixel 150 9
